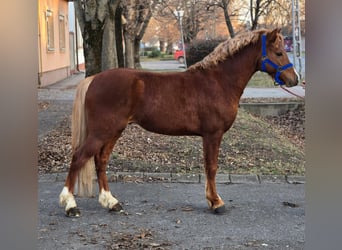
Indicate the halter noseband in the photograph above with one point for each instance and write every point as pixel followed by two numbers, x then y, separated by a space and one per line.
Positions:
pixel 265 60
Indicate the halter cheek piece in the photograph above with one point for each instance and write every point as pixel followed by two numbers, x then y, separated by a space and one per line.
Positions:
pixel 265 60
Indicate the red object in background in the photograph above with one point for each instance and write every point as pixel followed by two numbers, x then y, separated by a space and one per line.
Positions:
pixel 179 56
pixel 288 42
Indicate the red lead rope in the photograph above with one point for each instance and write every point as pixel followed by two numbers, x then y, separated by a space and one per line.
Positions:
pixel 287 90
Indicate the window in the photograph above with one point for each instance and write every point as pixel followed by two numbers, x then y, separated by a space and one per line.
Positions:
pixel 61 32
pixel 50 31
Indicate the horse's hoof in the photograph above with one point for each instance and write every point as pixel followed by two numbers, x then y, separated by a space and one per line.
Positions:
pixel 116 208
pixel 220 210
pixel 73 212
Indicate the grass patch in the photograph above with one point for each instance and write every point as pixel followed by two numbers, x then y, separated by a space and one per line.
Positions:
pixel 261 80
pixel 253 145
pixel 156 59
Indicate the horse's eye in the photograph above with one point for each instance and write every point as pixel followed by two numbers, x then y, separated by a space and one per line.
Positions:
pixel 279 53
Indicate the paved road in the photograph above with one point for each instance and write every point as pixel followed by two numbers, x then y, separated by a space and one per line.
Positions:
pixel 272 92
pixel 175 215
pixel 163 65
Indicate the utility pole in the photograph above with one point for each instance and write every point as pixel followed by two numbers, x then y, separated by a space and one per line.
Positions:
pixel 179 14
pixel 297 39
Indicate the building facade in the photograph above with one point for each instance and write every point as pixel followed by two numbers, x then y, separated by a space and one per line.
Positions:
pixel 53 42
pixel 77 62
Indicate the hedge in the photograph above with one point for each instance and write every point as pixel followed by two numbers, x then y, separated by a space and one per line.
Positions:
pixel 198 49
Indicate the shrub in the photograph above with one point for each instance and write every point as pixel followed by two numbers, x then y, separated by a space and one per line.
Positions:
pixel 154 53
pixel 198 49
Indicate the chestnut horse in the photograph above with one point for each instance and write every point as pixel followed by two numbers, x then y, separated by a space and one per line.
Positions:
pixel 202 101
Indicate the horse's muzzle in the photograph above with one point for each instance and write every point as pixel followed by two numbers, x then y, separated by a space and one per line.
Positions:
pixel 292 80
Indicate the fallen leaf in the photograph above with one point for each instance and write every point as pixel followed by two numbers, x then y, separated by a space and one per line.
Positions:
pixel 289 204
pixel 187 209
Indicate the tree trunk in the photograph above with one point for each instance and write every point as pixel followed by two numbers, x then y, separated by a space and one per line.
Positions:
pixel 118 36
pixel 97 23
pixel 169 47
pixel 92 49
pixel 129 50
pixel 137 14
pixel 137 64
pixel 227 19
pixel 109 54
pixel 255 13
pixel 162 45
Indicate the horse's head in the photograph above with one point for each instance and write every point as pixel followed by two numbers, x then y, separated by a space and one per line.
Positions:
pixel 274 59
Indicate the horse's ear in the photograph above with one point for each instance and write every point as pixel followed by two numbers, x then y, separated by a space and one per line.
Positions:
pixel 272 36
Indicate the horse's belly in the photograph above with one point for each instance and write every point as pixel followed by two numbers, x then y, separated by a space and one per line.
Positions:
pixel 169 126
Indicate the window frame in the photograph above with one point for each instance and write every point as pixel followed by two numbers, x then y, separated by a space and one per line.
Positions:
pixel 50 32
pixel 62 36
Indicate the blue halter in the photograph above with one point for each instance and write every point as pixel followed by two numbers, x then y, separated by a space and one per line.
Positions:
pixel 266 60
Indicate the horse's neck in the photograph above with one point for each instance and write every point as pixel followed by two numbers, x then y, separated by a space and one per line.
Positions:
pixel 239 69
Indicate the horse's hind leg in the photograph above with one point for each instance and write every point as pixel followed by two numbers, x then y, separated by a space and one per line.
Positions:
pixel 90 147
pixel 106 199
pixel 211 146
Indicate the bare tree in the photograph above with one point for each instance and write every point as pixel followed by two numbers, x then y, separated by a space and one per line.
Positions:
pixel 259 8
pixel 137 15
pixel 97 23
pixel 226 6
pixel 165 25
pixel 194 12
pixel 193 19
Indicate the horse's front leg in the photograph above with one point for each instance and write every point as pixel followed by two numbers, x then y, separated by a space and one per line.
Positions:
pixel 211 145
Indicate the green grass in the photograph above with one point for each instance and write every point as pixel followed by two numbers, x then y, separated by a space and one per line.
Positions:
pixel 253 145
pixel 261 80
pixel 147 59
pixel 155 59
pixel 166 57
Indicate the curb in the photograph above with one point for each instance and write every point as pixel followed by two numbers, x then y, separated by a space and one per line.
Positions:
pixel 140 177
pixel 271 109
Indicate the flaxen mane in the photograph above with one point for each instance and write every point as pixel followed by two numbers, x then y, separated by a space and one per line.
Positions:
pixel 228 48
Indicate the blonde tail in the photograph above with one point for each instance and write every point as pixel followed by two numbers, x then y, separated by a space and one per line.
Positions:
pixel 86 174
